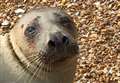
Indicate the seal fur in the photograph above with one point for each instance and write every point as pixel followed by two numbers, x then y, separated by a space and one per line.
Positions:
pixel 19 68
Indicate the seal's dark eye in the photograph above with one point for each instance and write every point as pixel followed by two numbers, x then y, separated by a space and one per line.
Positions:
pixel 30 31
pixel 65 21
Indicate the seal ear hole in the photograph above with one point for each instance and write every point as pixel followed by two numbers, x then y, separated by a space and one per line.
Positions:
pixel 30 31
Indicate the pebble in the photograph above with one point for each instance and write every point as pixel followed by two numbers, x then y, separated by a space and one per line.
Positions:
pixel 77 13
pixel 74 1
pixel 78 81
pixel 94 35
pixel 44 1
pixel 83 58
pixel 5 23
pixel 110 71
pixel 63 2
pixel 19 11
pixel 97 4
pixel 20 16
pixel 118 74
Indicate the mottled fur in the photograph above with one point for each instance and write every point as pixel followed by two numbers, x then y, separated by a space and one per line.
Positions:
pixel 15 47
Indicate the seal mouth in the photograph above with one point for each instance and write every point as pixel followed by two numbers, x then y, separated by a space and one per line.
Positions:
pixel 53 56
pixel 53 60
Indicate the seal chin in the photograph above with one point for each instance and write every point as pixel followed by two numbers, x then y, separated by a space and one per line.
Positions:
pixel 54 56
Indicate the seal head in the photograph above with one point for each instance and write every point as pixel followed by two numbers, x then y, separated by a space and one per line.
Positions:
pixel 45 41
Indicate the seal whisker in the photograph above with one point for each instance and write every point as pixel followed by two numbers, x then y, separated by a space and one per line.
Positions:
pixel 28 67
pixel 35 72
pixel 41 66
pixel 31 56
pixel 21 74
pixel 40 70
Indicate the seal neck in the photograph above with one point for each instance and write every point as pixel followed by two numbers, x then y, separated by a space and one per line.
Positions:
pixel 17 54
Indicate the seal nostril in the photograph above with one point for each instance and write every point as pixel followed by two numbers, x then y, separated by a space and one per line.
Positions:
pixel 51 43
pixel 65 40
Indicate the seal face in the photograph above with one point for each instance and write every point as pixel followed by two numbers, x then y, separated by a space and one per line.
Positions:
pixel 44 40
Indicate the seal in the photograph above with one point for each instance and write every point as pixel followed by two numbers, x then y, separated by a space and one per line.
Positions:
pixel 41 48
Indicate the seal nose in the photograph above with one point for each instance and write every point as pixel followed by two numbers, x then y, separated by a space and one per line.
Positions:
pixel 58 39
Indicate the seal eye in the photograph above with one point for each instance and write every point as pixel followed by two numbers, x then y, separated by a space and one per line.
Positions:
pixel 30 31
pixel 65 21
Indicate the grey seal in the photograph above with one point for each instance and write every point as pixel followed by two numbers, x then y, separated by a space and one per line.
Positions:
pixel 41 48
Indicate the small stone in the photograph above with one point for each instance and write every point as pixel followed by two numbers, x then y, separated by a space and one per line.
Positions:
pixel 69 5
pixel 82 40
pixel 110 71
pixel 118 81
pixel 97 4
pixel 93 35
pixel 63 2
pixel 1 30
pixel 105 70
pixel 83 58
pixel 5 23
pixel 19 11
pixel 118 73
pixel 74 1
pixel 20 16
pixel 119 23
pixel 25 1
pixel 44 1
pixel 77 13
pixel 78 81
